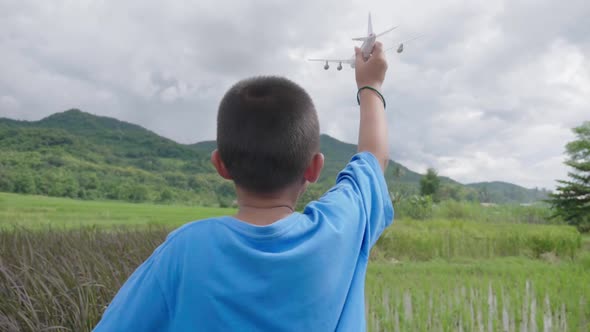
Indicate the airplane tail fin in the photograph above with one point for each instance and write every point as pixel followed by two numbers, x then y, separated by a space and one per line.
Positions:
pixel 370 31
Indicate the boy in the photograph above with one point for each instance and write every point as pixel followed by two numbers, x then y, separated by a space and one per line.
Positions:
pixel 269 268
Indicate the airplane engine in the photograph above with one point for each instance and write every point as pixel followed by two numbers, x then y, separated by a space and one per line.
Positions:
pixel 339 66
pixel 326 66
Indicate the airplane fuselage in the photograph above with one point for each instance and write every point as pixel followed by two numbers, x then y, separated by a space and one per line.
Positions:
pixel 367 46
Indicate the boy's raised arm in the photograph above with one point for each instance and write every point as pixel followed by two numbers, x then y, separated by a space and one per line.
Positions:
pixel 373 125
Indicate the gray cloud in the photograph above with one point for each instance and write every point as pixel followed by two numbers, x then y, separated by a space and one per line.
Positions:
pixel 490 92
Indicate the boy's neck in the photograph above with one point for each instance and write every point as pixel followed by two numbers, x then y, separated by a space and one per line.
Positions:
pixel 264 210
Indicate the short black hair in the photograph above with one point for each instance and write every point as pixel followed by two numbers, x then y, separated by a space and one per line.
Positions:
pixel 267 133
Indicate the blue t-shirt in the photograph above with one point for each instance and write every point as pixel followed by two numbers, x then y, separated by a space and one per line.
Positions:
pixel 305 272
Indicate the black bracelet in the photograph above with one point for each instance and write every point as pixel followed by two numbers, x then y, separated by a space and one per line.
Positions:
pixel 358 94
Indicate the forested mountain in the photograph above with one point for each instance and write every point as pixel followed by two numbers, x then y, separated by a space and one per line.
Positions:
pixel 79 155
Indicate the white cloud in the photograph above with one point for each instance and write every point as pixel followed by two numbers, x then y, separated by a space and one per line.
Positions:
pixel 9 106
pixel 490 92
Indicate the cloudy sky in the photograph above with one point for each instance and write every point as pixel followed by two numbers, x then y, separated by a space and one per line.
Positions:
pixel 490 92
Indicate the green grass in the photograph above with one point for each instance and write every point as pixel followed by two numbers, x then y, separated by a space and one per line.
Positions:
pixel 35 212
pixel 408 240
pixel 418 208
pixel 509 213
pixel 412 240
pixel 508 294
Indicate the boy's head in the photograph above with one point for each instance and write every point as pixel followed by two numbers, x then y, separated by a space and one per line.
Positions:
pixel 267 134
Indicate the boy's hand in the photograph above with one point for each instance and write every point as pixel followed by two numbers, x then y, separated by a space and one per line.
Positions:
pixel 372 71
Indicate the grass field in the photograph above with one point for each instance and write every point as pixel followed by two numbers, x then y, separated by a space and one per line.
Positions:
pixel 405 240
pixel 40 211
pixel 508 294
pixel 435 275
pixel 410 240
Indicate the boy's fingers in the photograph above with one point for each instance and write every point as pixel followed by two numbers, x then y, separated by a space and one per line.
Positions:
pixel 377 48
pixel 358 56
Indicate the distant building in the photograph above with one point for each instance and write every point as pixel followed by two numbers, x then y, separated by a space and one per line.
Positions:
pixel 488 204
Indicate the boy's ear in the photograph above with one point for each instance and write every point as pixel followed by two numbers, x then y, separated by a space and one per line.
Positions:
pixel 219 165
pixel 313 171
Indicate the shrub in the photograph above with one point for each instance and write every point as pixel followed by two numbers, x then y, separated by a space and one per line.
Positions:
pixel 412 240
pixel 584 260
pixel 415 207
pixel 453 210
pixel 166 196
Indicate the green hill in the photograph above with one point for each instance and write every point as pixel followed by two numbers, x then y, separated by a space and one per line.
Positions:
pixel 503 192
pixel 79 155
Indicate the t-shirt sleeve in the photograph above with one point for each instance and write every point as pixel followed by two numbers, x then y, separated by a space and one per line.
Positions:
pixel 362 194
pixel 140 304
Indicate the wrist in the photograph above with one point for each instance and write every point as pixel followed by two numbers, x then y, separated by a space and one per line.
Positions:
pixel 365 93
pixel 374 85
pixel 367 96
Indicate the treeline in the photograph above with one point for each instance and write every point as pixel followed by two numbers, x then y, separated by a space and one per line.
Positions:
pixel 63 176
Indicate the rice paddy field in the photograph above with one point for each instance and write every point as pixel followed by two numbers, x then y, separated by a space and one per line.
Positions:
pixel 37 212
pixel 61 262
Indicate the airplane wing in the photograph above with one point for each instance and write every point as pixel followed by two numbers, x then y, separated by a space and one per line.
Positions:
pixel 379 35
pixel 393 47
pixel 386 31
pixel 400 47
pixel 332 60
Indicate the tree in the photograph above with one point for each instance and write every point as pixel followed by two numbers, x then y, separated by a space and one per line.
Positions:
pixel 484 194
pixel 450 191
pixel 24 183
pixel 5 181
pixel 430 184
pixel 571 199
pixel 137 193
pixel 166 196
pixel 398 172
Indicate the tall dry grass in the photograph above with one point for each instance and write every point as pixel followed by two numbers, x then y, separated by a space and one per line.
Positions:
pixel 62 280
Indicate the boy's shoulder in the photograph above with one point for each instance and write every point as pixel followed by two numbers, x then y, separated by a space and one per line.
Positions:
pixel 190 236
pixel 194 229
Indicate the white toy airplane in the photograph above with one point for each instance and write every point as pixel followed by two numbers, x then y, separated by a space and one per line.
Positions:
pixel 366 48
